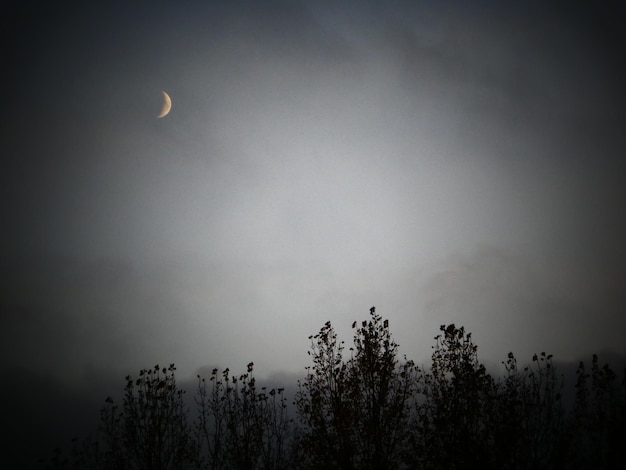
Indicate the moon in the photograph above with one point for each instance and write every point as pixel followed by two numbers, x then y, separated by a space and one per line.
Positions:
pixel 167 105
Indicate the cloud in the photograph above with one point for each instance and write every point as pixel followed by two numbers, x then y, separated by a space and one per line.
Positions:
pixel 524 303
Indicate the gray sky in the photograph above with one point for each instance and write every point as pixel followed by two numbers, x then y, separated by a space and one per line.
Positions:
pixel 442 162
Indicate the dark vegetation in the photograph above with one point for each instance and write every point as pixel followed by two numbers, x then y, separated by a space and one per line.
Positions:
pixel 366 408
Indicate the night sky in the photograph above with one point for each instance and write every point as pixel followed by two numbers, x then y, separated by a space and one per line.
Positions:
pixel 446 163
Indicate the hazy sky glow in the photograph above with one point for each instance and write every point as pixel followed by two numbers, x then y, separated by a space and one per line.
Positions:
pixel 442 162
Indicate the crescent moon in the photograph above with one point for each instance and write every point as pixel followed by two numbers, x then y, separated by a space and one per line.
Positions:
pixel 167 105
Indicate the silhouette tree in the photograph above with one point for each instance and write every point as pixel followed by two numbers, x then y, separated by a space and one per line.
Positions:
pixel 513 434
pixel 150 430
pixel 354 413
pixel 370 410
pixel 452 427
pixel 545 414
pixel 528 416
pixel 598 430
pixel 239 426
